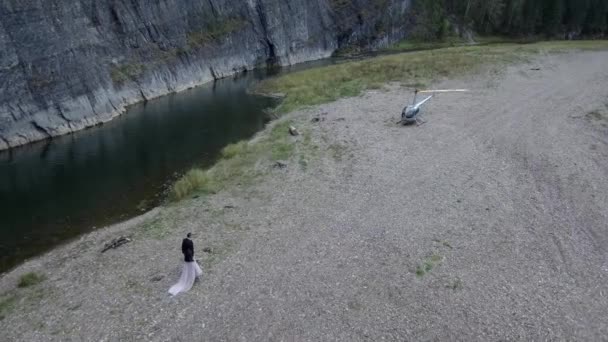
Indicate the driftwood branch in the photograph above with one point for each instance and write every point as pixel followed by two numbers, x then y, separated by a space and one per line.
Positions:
pixel 115 243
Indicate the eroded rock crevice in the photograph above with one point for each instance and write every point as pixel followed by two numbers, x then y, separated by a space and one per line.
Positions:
pixel 134 50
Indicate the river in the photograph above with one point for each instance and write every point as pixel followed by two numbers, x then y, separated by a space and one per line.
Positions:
pixel 56 190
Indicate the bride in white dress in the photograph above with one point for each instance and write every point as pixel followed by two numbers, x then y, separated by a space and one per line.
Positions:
pixel 190 271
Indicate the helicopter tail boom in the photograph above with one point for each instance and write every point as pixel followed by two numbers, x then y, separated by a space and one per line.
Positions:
pixel 417 105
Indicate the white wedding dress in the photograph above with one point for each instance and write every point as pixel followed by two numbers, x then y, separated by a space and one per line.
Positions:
pixel 190 271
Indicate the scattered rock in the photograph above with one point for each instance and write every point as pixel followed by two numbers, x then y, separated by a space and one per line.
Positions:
pixel 115 243
pixel 317 119
pixel 157 278
pixel 229 206
pixel 456 284
pixel 208 250
pixel 535 69
pixel 75 307
pixel 293 131
pixel 340 119
pixel 195 196
pixel 280 165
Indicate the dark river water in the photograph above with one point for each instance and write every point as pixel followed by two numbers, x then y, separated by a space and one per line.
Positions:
pixel 53 191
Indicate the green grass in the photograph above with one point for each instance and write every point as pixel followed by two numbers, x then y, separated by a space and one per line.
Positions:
pixel 414 69
pixel 7 304
pixel 409 45
pixel 220 252
pixel 485 40
pixel 26 297
pixel 416 45
pixel 159 226
pixel 428 264
pixel 241 162
pixel 234 150
pixel 307 151
pixel 193 180
pixel 30 279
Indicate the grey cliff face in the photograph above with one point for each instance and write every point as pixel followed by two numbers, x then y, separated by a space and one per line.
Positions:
pixel 70 64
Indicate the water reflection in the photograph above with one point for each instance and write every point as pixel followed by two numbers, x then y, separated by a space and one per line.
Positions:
pixel 55 190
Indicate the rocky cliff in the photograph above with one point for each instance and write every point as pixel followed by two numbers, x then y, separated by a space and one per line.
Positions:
pixel 69 64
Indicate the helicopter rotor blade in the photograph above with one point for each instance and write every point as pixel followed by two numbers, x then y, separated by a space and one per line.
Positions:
pixel 444 91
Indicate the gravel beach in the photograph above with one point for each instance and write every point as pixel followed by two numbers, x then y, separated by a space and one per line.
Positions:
pixel 488 222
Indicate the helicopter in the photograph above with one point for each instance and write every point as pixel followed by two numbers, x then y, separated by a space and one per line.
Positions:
pixel 411 113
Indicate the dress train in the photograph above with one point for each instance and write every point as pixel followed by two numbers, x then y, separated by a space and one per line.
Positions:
pixel 190 271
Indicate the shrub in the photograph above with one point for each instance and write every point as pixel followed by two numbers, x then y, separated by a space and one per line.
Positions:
pixel 30 279
pixel 216 30
pixel 125 72
pixel 193 180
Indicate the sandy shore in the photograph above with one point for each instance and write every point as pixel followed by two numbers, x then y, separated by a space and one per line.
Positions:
pixel 489 222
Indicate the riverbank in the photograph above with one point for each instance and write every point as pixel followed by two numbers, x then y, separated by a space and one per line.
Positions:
pixel 76 65
pixel 487 222
pixel 413 70
pixel 57 190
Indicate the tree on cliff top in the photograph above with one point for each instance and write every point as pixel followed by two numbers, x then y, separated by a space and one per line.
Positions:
pixel 553 18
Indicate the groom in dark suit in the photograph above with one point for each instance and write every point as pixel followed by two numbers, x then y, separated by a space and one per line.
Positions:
pixel 188 248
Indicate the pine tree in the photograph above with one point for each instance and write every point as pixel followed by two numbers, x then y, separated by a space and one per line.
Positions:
pixel 596 19
pixel 576 12
pixel 514 17
pixel 431 22
pixel 553 11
